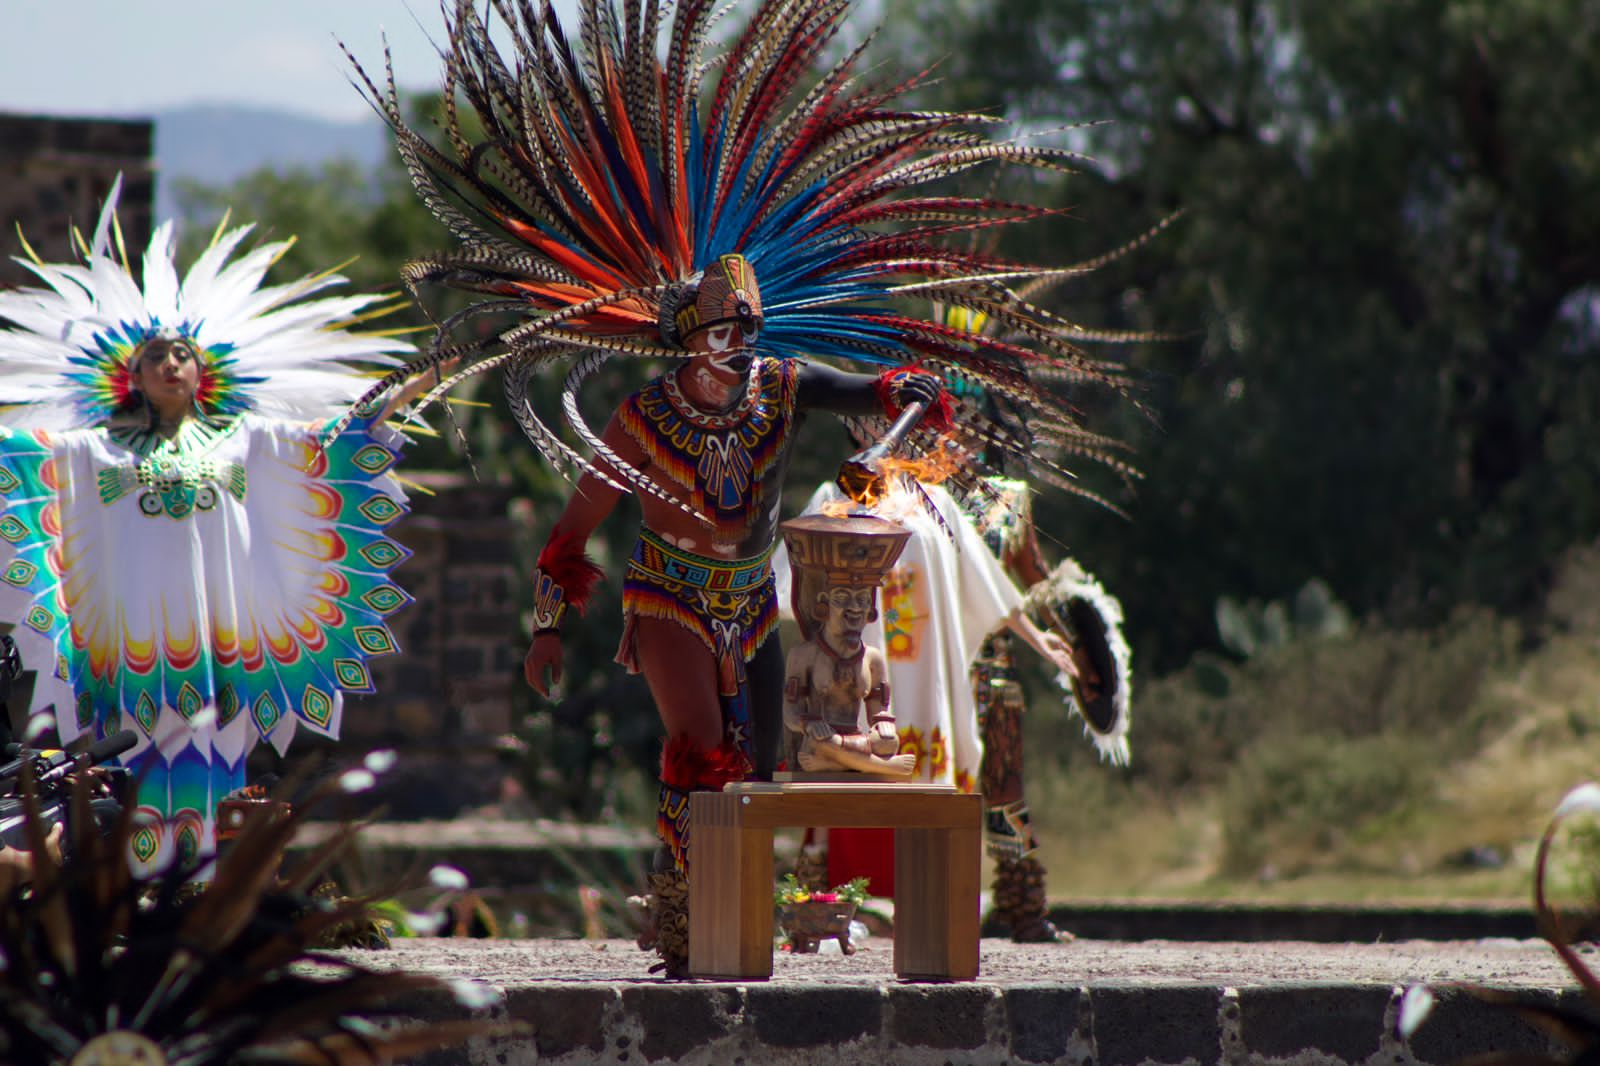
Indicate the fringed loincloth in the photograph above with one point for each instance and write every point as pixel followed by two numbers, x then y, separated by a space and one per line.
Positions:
pixel 730 604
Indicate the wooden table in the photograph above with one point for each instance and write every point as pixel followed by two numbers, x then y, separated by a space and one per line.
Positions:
pixel 938 842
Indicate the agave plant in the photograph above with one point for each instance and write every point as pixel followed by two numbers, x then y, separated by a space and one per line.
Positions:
pixel 102 968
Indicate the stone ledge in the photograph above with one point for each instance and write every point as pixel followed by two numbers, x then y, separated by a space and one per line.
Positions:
pixel 1090 1003
pixel 1324 923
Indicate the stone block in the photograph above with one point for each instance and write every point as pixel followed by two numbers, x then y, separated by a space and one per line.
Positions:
pixel 1042 1021
pixel 482 546
pixel 565 1021
pixel 679 1019
pixel 810 1017
pixel 941 1016
pixel 485 720
pixel 1344 1022
pixel 464 661
pixel 491 621
pixel 416 719
pixel 1165 1026
pixel 507 658
pixel 1462 1025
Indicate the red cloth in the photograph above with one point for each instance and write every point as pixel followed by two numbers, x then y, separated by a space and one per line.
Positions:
pixel 865 853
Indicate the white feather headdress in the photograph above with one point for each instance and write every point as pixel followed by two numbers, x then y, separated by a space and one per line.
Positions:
pixel 263 349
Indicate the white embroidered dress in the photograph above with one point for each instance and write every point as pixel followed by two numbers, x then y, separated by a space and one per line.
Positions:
pixel 212 589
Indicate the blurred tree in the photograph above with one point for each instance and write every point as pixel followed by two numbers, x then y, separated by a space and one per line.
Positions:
pixel 1390 262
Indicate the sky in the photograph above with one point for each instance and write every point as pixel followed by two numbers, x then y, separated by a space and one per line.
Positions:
pixel 131 58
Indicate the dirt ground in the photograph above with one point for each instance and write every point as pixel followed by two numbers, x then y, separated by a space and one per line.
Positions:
pixel 1499 963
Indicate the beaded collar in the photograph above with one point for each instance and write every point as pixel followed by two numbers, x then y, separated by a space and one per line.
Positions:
pixel 749 400
pixel 174 476
pixel 720 460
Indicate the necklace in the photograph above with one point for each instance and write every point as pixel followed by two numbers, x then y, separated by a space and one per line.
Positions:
pixel 175 475
pixel 699 416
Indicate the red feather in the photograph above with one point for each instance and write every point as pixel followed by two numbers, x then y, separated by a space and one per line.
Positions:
pixel 564 563
pixel 687 765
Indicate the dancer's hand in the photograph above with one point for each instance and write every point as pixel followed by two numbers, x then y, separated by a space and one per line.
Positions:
pixel 544 658
pixel 917 388
pixel 1059 652
pixel 1044 641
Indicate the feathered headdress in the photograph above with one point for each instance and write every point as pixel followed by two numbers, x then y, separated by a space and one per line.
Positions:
pixel 68 353
pixel 589 181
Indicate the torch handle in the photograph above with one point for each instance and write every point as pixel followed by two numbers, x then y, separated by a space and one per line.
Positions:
pixel 859 478
pixel 909 417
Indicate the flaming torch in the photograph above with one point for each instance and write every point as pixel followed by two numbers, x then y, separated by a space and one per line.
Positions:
pixel 863 476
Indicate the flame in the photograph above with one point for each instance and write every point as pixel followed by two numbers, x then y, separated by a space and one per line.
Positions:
pixel 933 468
pixel 889 485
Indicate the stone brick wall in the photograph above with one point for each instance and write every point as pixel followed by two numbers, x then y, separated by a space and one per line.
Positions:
pixel 445 698
pixel 1089 1003
pixel 56 172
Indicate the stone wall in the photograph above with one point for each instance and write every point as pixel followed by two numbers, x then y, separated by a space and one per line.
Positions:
pixel 55 174
pixel 1088 1003
pixel 448 695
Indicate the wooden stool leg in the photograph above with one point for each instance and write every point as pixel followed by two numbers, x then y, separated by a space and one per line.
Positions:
pixel 936 880
pixel 730 891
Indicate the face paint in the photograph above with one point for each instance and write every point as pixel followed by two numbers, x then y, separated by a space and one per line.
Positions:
pixel 716 353
pixel 735 362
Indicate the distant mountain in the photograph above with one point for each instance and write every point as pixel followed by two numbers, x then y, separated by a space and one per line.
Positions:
pixel 218 145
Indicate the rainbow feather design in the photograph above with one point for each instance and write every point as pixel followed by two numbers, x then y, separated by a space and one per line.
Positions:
pixel 212 590
pixel 587 179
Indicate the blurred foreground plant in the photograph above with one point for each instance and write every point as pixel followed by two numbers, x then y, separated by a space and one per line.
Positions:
pixel 1578 1032
pixel 104 968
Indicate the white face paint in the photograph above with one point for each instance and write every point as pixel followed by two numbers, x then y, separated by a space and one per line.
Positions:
pixel 686 543
pixel 727 348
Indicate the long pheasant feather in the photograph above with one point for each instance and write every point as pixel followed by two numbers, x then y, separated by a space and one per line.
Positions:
pixel 587 174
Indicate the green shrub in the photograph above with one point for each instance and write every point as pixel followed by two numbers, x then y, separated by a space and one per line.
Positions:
pixel 1298 801
pixel 1189 728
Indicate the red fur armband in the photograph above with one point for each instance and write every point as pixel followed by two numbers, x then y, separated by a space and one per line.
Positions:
pixel 939 418
pixel 564 563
